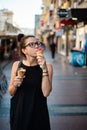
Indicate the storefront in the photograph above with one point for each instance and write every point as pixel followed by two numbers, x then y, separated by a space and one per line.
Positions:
pixel 7 44
pixel 74 31
pixel 62 44
pixel 67 41
pixel 80 15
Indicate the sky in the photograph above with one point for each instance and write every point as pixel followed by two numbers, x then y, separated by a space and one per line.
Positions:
pixel 24 11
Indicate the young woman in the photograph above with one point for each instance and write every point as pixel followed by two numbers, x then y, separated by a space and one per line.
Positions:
pixel 28 110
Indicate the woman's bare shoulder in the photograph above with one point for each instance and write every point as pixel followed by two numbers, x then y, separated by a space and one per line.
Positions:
pixel 14 67
pixel 15 63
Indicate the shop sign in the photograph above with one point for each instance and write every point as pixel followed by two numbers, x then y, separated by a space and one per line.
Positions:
pixel 62 13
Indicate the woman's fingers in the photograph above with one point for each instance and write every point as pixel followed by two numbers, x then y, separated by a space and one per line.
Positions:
pixel 18 80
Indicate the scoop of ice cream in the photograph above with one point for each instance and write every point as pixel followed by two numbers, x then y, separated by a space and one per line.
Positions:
pixel 21 72
pixel 39 51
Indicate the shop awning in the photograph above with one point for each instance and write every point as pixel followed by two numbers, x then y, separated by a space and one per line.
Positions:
pixel 68 22
pixel 79 14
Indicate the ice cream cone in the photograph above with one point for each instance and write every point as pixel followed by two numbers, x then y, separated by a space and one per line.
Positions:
pixel 21 72
pixel 39 51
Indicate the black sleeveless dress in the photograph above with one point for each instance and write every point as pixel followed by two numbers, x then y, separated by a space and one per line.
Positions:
pixel 28 110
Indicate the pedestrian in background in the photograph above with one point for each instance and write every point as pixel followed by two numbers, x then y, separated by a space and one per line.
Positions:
pixel 53 48
pixel 52 43
pixel 28 110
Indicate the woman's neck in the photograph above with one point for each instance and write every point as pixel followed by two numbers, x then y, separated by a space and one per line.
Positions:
pixel 31 61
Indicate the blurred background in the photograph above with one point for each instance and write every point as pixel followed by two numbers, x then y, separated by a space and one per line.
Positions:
pixel 61 26
pixel 64 20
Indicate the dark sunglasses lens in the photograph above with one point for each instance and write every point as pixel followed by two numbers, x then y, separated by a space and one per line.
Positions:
pixel 36 43
pixel 33 44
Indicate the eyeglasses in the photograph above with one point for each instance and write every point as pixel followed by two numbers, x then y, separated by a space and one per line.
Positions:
pixel 33 44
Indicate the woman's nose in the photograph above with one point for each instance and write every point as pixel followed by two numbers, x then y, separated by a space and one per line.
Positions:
pixel 36 46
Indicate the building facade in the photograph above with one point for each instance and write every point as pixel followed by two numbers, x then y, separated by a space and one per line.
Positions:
pixel 70 30
pixel 8 32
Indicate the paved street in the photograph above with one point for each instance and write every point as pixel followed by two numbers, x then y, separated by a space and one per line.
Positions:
pixel 67 102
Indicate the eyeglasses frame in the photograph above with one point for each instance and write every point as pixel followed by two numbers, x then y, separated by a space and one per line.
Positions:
pixel 35 43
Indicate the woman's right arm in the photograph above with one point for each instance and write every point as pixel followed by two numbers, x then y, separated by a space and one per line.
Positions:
pixel 13 80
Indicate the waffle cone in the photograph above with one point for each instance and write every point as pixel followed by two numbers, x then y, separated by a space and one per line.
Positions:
pixel 39 51
pixel 21 72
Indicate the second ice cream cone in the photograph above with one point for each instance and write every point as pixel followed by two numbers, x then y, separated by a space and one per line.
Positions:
pixel 21 72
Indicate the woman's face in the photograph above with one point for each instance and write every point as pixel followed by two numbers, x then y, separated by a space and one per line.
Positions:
pixel 30 47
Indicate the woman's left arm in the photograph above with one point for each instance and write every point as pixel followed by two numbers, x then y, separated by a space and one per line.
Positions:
pixel 47 80
pixel 47 74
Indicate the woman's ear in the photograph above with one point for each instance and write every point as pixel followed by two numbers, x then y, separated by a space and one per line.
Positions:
pixel 23 51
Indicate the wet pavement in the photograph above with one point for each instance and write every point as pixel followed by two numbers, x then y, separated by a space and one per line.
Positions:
pixel 67 102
